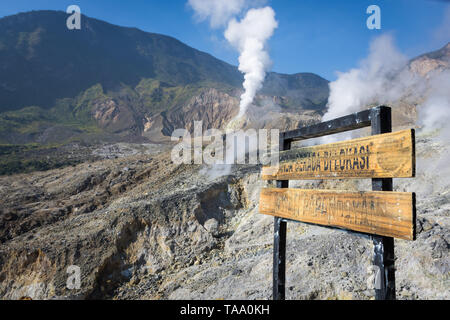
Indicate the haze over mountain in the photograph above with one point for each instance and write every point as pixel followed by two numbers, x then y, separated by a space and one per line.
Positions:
pixel 111 82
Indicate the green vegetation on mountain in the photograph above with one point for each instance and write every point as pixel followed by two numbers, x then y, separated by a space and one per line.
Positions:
pixel 42 61
pixel 106 84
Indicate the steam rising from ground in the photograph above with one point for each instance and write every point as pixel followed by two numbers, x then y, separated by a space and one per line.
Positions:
pixel 434 113
pixel 248 36
pixel 371 82
pixel 386 77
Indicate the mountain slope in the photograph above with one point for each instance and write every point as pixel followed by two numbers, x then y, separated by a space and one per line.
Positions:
pixel 41 60
pixel 436 60
pixel 106 82
pixel 39 56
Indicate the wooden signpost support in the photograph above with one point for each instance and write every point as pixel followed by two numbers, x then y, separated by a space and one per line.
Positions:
pixel 381 213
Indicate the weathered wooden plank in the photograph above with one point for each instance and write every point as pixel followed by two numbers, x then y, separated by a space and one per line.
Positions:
pixel 389 155
pixel 376 212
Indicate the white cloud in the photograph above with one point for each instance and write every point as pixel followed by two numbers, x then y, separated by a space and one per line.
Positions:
pixel 219 12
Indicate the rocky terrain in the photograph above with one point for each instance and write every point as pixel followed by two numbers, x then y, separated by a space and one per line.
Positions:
pixel 140 227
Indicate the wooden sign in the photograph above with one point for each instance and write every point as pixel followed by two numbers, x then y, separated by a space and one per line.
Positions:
pixel 390 214
pixel 389 155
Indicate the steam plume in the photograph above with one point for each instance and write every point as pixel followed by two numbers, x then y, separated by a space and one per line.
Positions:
pixel 249 37
pixel 372 82
pixel 386 77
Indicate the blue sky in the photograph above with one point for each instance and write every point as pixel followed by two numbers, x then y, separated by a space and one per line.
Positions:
pixel 320 36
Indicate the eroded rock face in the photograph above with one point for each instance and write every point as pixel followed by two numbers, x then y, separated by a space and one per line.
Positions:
pixel 432 62
pixel 164 228
pixel 214 108
pixel 160 231
pixel 105 111
pixel 423 66
pixel 116 117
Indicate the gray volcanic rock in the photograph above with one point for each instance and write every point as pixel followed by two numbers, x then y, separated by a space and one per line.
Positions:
pixel 160 231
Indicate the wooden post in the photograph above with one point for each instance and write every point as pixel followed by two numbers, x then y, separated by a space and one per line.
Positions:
pixel 379 119
pixel 384 257
pixel 279 240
